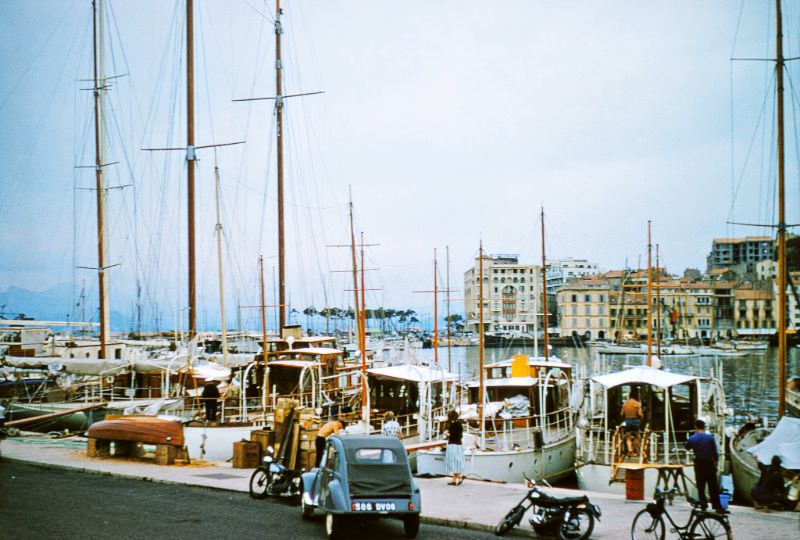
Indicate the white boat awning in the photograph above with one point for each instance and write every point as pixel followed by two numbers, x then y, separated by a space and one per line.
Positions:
pixel 412 373
pixel 643 375
pixel 784 442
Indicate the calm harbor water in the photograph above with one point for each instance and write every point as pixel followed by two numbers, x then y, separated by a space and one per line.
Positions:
pixel 750 381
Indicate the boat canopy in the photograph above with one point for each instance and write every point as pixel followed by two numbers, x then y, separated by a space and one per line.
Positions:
pixel 412 373
pixel 537 361
pixel 506 381
pixel 643 375
pixel 784 442
pixel 314 351
pixel 300 364
pixel 77 366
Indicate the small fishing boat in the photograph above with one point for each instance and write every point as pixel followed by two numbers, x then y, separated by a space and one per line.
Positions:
pixel 143 429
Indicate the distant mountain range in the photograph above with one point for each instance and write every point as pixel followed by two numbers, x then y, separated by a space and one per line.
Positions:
pixel 54 304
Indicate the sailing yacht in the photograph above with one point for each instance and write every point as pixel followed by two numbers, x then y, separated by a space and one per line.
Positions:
pixel 751 442
pixel 671 403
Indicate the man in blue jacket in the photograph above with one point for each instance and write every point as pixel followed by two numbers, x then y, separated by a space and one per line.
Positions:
pixel 705 463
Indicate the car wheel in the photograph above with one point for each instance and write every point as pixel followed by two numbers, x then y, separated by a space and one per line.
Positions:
pixel 307 509
pixel 333 525
pixel 411 525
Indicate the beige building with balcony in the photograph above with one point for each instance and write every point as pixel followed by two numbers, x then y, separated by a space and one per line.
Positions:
pixel 511 295
pixel 754 312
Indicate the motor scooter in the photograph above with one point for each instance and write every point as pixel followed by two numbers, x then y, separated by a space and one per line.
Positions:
pixel 274 478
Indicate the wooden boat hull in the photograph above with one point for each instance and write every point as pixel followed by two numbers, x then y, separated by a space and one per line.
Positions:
pixel 143 429
pixel 551 462
pixel 743 464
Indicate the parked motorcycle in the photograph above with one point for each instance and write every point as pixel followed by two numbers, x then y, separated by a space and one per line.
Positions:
pixel 274 478
pixel 568 518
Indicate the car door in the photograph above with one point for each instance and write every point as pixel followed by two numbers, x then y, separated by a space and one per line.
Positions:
pixel 328 468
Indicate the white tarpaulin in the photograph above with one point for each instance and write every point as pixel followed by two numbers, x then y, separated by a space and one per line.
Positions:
pixel 784 442
pixel 412 373
pixel 643 375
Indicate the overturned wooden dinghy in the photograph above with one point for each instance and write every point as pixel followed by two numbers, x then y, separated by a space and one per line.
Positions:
pixel 142 429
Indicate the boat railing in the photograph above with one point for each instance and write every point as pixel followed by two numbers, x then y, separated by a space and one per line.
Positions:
pixel 528 431
pixel 657 447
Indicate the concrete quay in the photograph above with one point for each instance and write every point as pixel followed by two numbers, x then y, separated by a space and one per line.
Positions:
pixel 475 505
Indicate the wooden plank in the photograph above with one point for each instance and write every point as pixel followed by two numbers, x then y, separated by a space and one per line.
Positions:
pixel 293 447
pixel 413 447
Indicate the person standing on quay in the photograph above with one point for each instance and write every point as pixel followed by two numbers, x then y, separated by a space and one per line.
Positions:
pixel 210 397
pixel 454 453
pixel 705 463
pixel 391 427
pixel 329 428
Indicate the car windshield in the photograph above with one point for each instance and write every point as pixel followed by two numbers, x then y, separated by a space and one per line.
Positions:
pixel 367 456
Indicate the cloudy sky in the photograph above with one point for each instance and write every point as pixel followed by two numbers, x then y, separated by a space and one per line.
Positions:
pixel 452 122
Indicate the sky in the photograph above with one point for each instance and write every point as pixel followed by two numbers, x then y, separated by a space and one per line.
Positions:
pixel 450 122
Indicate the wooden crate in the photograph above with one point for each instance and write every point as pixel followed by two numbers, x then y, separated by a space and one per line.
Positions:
pixel 246 454
pixel 307 459
pixel 165 454
pixel 264 437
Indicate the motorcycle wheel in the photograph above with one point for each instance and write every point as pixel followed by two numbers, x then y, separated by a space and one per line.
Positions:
pixel 579 526
pixel 511 520
pixel 259 483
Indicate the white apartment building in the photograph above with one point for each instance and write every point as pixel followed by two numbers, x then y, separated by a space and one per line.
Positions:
pixel 510 294
pixel 560 272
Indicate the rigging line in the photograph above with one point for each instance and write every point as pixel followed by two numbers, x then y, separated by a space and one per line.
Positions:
pixel 201 34
pixel 756 128
pixel 794 102
pixel 45 46
pixel 12 191
pixel 264 15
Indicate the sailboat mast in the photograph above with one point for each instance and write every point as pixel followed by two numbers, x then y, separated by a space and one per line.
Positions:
pixel 279 124
pixel 99 83
pixel 265 390
pixel 658 304
pixel 649 300
pixel 449 335
pixel 190 159
pixel 480 342
pixel 782 269
pixel 356 316
pixel 544 296
pixel 218 228
pixel 362 334
pixel 435 310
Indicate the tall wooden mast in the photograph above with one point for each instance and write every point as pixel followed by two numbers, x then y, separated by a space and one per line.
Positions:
pixel 658 304
pixel 449 334
pixel 480 342
pixel 190 160
pixel 356 311
pixel 279 127
pixel 782 269
pixel 544 296
pixel 362 334
pixel 435 310
pixel 101 187
pixel 649 301
pixel 218 230
pixel 265 390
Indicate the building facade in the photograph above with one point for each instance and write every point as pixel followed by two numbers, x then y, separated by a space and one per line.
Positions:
pixel 728 252
pixel 583 309
pixel 754 312
pixel 510 295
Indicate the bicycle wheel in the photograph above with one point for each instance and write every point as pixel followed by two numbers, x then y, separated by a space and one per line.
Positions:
pixel 708 527
pixel 579 526
pixel 646 526
pixel 511 520
pixel 259 482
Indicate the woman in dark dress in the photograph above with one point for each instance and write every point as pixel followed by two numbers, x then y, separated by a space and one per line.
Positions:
pixel 454 453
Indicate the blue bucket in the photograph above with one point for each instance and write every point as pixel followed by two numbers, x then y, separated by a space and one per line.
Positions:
pixel 724 499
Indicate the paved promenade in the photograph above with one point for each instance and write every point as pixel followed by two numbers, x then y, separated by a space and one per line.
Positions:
pixel 475 505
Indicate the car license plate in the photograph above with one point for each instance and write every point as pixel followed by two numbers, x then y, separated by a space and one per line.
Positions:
pixel 374 506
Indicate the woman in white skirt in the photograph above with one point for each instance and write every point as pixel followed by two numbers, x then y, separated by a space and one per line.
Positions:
pixel 454 454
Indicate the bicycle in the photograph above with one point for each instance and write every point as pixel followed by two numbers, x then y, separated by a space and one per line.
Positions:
pixel 702 524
